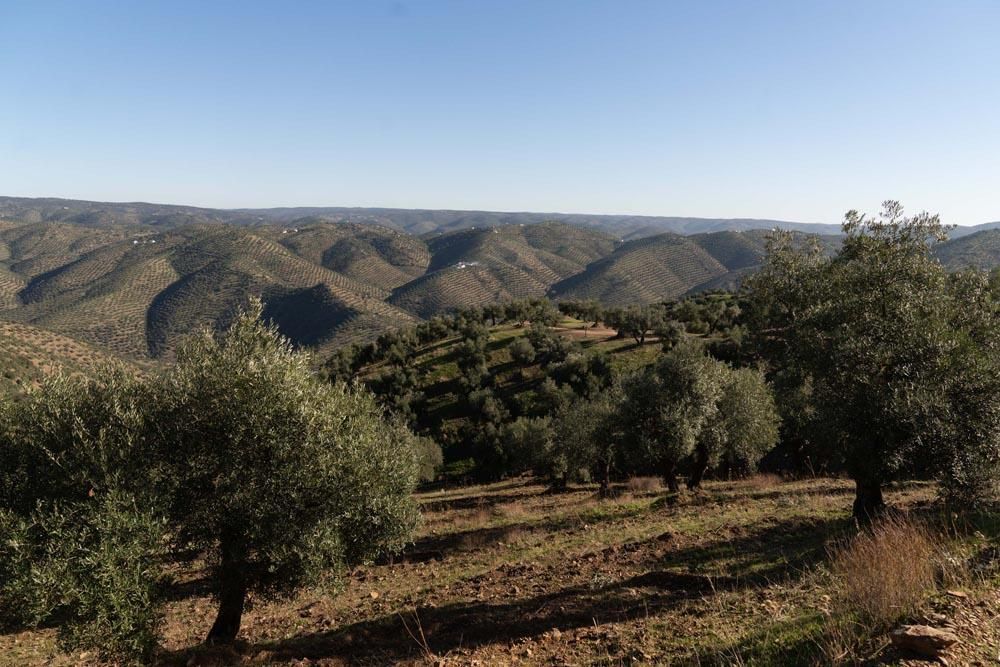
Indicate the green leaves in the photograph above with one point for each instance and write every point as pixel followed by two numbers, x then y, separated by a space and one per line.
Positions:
pixel 239 451
pixel 884 341
pixel 93 567
pixel 691 409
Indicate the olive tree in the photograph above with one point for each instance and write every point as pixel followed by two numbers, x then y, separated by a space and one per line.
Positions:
pixel 743 427
pixel 82 533
pixel 899 363
pixel 667 405
pixel 275 476
pixel 586 437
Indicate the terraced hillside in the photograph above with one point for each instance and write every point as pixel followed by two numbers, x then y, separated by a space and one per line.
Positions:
pixel 32 249
pixel 479 266
pixel 28 354
pixel 132 278
pixel 644 271
pixel 980 250
pixel 370 254
pixel 667 266
pixel 137 297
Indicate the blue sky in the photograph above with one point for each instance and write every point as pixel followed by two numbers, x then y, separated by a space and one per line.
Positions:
pixel 794 110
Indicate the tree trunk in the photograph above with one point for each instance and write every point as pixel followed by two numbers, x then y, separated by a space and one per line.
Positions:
pixel 670 477
pixel 698 471
pixel 605 481
pixel 868 502
pixel 560 483
pixel 232 597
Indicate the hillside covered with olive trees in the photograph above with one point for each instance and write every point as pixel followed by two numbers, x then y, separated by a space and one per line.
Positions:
pixel 523 481
pixel 131 279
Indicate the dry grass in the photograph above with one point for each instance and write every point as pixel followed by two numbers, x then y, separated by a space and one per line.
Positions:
pixel 882 576
pixel 644 484
pixel 511 574
pixel 887 571
pixel 764 480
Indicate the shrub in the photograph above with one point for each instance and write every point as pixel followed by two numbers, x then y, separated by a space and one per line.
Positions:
pixel 429 458
pixel 522 351
pixel 75 469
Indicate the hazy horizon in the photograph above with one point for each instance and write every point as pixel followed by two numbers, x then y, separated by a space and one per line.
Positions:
pixel 452 208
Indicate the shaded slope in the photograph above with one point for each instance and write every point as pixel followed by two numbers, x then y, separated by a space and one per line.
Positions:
pixel 980 250
pixel 734 250
pixel 222 270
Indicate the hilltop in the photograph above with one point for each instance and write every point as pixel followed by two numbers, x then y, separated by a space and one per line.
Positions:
pixel 980 250
pixel 479 266
pixel 132 278
pixel 411 221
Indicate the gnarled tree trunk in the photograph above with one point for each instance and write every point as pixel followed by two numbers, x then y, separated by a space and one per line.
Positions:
pixel 670 477
pixel 868 502
pixel 605 481
pixel 699 468
pixel 232 598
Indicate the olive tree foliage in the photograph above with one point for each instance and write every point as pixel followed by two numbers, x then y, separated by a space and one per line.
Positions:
pixel 969 460
pixel 695 412
pixel 276 476
pixel 472 357
pixel 743 428
pixel 893 363
pixel 429 458
pixel 522 352
pixel 526 442
pixel 80 531
pixel 586 437
pixel 90 567
pixel 666 407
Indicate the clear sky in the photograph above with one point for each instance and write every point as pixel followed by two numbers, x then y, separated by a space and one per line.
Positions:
pixel 797 110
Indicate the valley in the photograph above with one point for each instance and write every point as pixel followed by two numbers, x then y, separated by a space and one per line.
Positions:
pixel 132 279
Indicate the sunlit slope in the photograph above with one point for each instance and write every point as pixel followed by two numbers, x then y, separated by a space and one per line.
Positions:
pixel 28 354
pixel 371 254
pixel 479 266
pixel 139 296
pixel 643 271
pixel 30 250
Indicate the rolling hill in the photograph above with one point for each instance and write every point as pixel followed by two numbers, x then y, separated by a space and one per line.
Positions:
pixel 412 221
pixel 29 354
pixel 660 267
pixel 980 250
pixel 371 254
pixel 479 266
pixel 131 279
pixel 137 296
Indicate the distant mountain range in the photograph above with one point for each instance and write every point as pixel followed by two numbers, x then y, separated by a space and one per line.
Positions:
pixel 130 279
